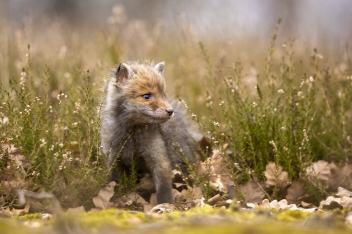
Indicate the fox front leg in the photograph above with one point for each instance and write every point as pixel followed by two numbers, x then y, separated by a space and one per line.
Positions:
pixel 159 164
pixel 163 182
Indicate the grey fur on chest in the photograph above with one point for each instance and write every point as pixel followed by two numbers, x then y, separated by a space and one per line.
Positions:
pixel 145 141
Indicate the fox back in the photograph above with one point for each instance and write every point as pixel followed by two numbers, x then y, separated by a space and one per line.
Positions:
pixel 139 121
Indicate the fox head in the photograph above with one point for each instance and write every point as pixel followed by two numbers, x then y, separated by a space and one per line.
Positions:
pixel 139 91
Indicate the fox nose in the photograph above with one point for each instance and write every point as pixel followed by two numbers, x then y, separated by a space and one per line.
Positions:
pixel 170 111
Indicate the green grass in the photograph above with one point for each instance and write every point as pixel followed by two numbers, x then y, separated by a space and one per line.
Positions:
pixel 292 108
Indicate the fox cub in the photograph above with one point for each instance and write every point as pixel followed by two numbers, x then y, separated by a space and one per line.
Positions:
pixel 138 123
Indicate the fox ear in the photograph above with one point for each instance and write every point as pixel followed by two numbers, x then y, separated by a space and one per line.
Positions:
pixel 123 72
pixel 160 67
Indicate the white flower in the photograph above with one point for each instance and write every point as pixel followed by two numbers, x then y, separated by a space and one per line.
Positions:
pixel 281 91
pixel 311 79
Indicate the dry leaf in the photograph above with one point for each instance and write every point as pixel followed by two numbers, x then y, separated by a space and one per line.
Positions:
pixel 309 210
pixel 147 184
pixel 137 199
pixel 10 148
pixel 186 198
pixel 320 172
pixel 341 192
pixel 219 179
pixel 331 203
pixel 179 185
pixel 340 177
pixel 199 202
pixel 346 202
pixel 14 155
pixel 275 176
pixel 163 208
pixel 223 203
pixel 265 203
pixel 11 186
pixel 283 205
pixel 307 205
pixel 14 161
pixel 102 201
pixel 252 192
pixel 147 207
pixel 196 192
pixel 295 192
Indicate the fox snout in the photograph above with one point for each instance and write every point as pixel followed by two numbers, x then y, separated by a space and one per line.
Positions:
pixel 164 111
pixel 170 111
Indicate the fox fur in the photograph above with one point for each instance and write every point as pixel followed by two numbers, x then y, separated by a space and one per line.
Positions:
pixel 138 121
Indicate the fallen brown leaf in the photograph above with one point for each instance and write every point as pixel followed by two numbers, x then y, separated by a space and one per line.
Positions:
pixel 319 173
pixel 331 203
pixel 275 176
pixel 196 192
pixel 137 199
pixel 346 202
pixel 342 192
pixel 147 207
pixel 147 184
pixel 219 172
pixel 295 192
pixel 252 192
pixel 11 186
pixel 340 177
pixel 163 208
pixel 102 201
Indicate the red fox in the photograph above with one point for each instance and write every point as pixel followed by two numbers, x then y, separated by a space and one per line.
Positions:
pixel 139 122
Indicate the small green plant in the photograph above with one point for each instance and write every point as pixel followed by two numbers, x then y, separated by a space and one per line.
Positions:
pixel 282 116
pixel 58 136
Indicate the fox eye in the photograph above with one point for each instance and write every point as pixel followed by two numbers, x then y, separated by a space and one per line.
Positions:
pixel 146 96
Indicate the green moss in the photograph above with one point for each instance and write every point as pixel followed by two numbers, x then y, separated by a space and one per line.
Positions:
pixel 114 217
pixel 30 217
pixel 291 215
pixel 199 220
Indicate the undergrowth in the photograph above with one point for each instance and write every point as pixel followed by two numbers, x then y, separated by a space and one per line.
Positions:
pixel 292 109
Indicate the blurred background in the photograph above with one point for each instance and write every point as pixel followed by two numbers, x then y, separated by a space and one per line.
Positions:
pixel 97 35
pixel 327 21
